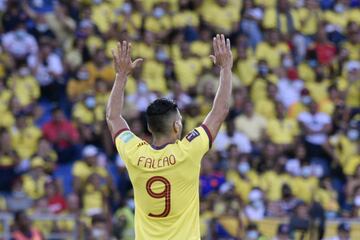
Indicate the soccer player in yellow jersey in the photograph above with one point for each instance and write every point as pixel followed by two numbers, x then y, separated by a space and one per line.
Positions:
pixel 165 173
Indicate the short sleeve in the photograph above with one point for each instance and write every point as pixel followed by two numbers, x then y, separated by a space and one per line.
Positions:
pixel 198 141
pixel 126 143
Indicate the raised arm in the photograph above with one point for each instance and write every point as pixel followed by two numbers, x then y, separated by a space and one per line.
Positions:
pixel 223 58
pixel 123 67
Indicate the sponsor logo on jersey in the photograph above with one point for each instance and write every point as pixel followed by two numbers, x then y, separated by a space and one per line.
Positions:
pixel 192 135
pixel 126 136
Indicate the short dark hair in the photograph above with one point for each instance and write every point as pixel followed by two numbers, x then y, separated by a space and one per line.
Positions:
pixel 158 114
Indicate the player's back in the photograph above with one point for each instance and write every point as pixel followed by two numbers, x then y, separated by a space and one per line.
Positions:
pixel 166 184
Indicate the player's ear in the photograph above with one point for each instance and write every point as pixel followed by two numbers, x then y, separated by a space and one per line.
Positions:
pixel 148 127
pixel 177 126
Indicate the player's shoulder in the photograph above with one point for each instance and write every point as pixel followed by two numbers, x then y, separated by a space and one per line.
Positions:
pixel 199 134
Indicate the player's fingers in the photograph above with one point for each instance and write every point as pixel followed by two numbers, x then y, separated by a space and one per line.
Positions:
pixel 128 52
pixel 118 49
pixel 216 52
pixel 223 46
pixel 137 62
pixel 123 49
pixel 218 38
pixel 213 58
pixel 228 44
pixel 113 55
pixel 218 43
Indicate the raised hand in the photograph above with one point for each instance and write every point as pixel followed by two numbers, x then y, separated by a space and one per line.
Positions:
pixel 122 59
pixel 222 52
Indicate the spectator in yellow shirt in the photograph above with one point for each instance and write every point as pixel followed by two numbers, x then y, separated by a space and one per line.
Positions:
pixel 25 137
pixel 221 15
pixel 283 18
pixel 80 84
pixel 89 165
pixel 310 16
pixel 252 124
pixel 327 196
pixel 187 68
pixel 24 86
pixel 100 67
pixel 282 130
pixel 272 49
pixel 245 66
pixel 34 181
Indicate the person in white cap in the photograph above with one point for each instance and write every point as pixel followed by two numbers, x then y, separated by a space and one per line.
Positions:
pixel 87 166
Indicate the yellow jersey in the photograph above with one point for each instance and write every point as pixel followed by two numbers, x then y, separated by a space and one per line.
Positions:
pixel 166 184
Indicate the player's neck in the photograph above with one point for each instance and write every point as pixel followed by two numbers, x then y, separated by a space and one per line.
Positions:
pixel 159 141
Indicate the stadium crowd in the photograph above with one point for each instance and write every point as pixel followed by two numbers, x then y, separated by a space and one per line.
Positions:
pixel 290 146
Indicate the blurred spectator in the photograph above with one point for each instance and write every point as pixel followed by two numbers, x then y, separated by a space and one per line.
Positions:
pixel 34 181
pixel 48 69
pixel 300 221
pixel 255 210
pixel 252 124
pixel 251 16
pixel 316 126
pixel 23 228
pixel 343 232
pixel 283 232
pixel 230 136
pixel 18 200
pixel 99 228
pixel 285 205
pixel 83 169
pixel 210 178
pixel 56 203
pixel 281 129
pixel 272 49
pixel 253 233
pixel 63 135
pixel 19 43
pixel 8 161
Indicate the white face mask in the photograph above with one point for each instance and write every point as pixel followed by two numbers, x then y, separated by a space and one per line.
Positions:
pixel 252 234
pixel 357 201
pixel 127 8
pixel 288 62
pixel 306 171
pixel 159 12
pixel 306 100
pixel 243 167
pixel 353 134
pixel 90 102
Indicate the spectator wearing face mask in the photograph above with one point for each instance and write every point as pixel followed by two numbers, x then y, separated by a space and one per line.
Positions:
pixel 240 173
pixel 255 210
pixel 316 126
pixel 343 232
pixel 252 233
pixel 24 86
pixel 159 21
pixel 99 228
pixel 48 69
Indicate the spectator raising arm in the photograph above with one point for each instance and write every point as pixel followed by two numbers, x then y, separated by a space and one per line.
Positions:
pixel 123 67
pixel 223 58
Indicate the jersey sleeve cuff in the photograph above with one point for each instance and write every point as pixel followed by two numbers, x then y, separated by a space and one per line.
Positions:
pixel 120 132
pixel 208 133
